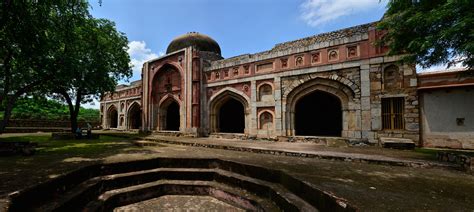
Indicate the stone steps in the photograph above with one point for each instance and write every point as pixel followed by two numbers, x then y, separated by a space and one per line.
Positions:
pixel 397 143
pixel 237 197
pixel 89 189
pixel 106 186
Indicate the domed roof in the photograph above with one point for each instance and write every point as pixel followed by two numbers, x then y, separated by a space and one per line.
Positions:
pixel 197 40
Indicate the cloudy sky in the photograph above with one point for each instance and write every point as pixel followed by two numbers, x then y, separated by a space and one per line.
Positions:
pixel 239 26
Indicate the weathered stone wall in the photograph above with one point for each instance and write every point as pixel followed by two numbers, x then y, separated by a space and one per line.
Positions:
pixel 404 85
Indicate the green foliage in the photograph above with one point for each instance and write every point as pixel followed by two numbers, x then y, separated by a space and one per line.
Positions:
pixel 432 32
pixel 40 108
pixel 56 46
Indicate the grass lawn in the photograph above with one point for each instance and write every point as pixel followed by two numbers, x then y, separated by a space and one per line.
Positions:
pixel 54 157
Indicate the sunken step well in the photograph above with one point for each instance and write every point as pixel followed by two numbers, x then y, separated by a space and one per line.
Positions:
pixel 103 187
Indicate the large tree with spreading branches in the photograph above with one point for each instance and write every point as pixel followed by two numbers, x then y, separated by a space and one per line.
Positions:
pixel 56 46
pixel 431 32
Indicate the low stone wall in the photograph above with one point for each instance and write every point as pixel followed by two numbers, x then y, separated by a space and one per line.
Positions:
pixel 29 126
pixel 465 162
pixel 26 123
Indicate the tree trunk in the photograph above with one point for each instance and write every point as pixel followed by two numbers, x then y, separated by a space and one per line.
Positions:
pixel 73 120
pixel 73 108
pixel 7 114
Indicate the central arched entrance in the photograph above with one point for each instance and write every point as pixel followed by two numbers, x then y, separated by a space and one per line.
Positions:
pixel 318 114
pixel 171 117
pixel 231 117
pixel 135 117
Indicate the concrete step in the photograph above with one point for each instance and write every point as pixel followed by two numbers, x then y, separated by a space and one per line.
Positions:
pixel 397 143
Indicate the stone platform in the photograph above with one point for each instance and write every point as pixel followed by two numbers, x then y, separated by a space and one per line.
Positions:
pixel 295 149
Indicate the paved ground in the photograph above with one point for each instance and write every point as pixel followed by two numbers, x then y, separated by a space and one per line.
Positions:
pixel 370 187
pixel 179 203
pixel 365 154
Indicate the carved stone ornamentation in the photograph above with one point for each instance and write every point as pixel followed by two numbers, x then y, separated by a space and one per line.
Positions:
pixel 299 61
pixel 246 69
pixel 226 73
pixel 316 57
pixel 235 71
pixel 217 74
pixel 352 51
pixel 333 55
pixel 284 63
pixel 246 88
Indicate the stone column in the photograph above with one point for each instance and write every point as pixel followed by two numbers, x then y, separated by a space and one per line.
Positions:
pixel 253 108
pixel 365 114
pixel 145 101
pixel 104 118
pixel 278 107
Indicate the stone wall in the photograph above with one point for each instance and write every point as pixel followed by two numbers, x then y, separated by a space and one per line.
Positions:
pixel 402 84
pixel 24 123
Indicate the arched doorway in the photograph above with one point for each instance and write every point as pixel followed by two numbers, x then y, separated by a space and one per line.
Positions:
pixel 231 117
pixel 228 112
pixel 169 116
pixel 112 117
pixel 135 117
pixel 318 114
pixel 166 98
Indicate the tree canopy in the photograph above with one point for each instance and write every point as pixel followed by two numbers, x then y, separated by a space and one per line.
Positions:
pixel 41 108
pixel 56 46
pixel 431 32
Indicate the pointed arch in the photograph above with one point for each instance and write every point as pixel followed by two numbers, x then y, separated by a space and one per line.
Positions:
pixel 112 117
pixel 225 100
pixel 134 115
pixel 343 96
pixel 169 113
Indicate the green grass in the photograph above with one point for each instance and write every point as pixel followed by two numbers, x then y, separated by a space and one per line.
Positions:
pixel 81 147
pixel 432 152
pixel 54 157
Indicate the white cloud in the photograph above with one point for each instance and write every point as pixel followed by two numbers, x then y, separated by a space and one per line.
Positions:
pixel 318 12
pixel 139 54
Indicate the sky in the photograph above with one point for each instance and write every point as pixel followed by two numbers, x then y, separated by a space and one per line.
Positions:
pixel 239 26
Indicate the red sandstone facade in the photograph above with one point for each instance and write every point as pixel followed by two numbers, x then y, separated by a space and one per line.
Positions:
pixel 335 84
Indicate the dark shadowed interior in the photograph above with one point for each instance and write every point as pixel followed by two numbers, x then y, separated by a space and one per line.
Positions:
pixel 318 114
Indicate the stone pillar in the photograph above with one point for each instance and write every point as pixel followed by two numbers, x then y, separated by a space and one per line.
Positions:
pixel 253 109
pixel 278 108
pixel 145 99
pixel 186 107
pixel 104 119
pixel 365 112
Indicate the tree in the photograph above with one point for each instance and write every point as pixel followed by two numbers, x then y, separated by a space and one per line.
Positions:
pixel 98 61
pixel 56 46
pixel 31 47
pixel 431 32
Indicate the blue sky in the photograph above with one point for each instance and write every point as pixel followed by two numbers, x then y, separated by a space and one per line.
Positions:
pixel 239 26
